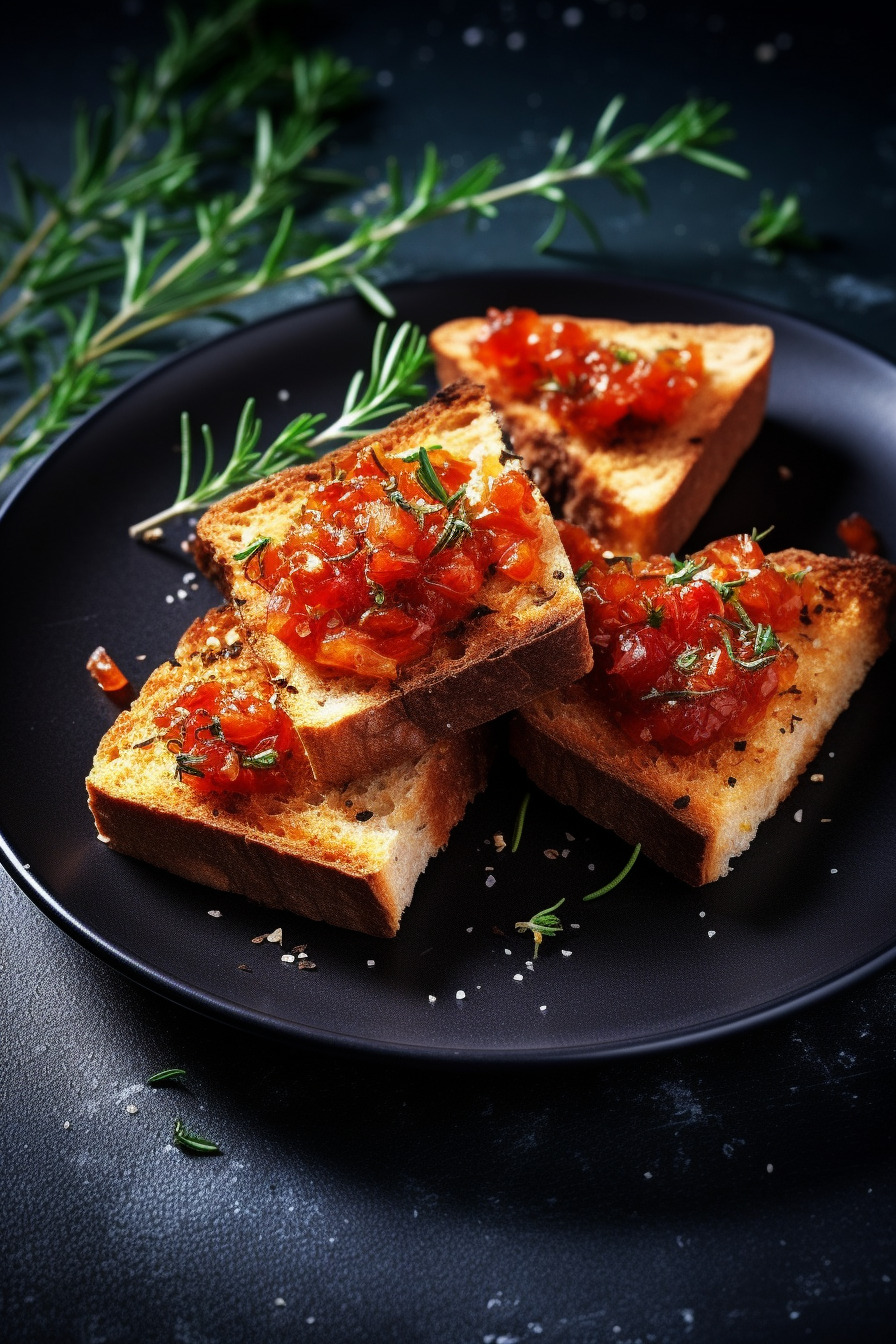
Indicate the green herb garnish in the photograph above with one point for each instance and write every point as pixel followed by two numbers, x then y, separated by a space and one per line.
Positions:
pixel 760 536
pixel 377 592
pixel 620 877
pixel 166 1076
pixel 748 664
pixel 688 659
pixel 185 764
pixel 685 694
pixel 454 531
pixel 262 760
pixel 623 356
pixel 684 570
pixel 426 475
pixel 520 822
pixel 544 924
pixel 778 228
pixel 797 576
pixel 582 571
pixel 192 1143
pixel 655 613
pixel 253 548
pixel 765 640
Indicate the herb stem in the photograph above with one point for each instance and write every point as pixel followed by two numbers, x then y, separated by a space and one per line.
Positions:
pixel 620 877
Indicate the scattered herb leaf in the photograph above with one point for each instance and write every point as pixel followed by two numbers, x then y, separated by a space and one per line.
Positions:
pixel 253 548
pixel 166 1076
pixel 520 823
pixel 544 924
pixel 190 1142
pixel 620 877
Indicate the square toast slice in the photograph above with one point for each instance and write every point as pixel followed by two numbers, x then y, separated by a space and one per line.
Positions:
pixel 642 488
pixel 523 638
pixel 694 814
pixel 349 857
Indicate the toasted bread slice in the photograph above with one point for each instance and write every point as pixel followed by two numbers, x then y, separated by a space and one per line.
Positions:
pixel 643 488
pixel 694 814
pixel 349 857
pixel 526 638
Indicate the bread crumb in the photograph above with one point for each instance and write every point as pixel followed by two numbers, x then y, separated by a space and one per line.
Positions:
pixel 460 994
pixel 785 473
pixel 817 779
pixel 131 1110
pixel 275 937
pixel 517 976
pixel 215 914
pixel 569 837
pixel 551 854
pixel 490 880
pixel 232 637
pixel 103 839
pixel 213 642
pixel 489 868
pixel 798 814
pixel 499 842
pixel 279 1302
pixel 243 967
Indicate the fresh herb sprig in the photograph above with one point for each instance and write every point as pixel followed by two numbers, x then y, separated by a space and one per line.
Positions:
pixel 192 1143
pixel 543 925
pixel 392 385
pixel 778 227
pixel 620 877
pixel 210 261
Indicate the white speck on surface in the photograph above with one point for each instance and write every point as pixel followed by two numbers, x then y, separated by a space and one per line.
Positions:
pixel 516 41
pixel 141 657
pixel 276 936
pixel 831 754
pixel 710 933
pixel 564 952
pixel 517 976
pixel 131 1110
pixel 769 1168
pixel 798 814
pixel 687 1315
pixel 575 926
pixel 794 1315
pixel 215 914
pixel 460 994
pixel 825 820
pixel 852 291
pixel 816 643
pixel 591 867
pixel 66 1124
pixel 543 1009
pixel 279 1302
pixel 283 394
pixel 530 965
pixel 765 52
pixel 834 870
pixel 572 17
pixel 309 1320
pixel 564 853
pixel 371 963
pixel 27 867
pixel 188 577
pixel 432 998
pixel 169 599
pixel 385 79
pixel 569 837
pixel 472 37
pixel 490 880
pixel 507 952
pixel 470 929
pixel 302 956
pixel 702 914
pixel 181 593
pixel 648 1175
pixel 287 956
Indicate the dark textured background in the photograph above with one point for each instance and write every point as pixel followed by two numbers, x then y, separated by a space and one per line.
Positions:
pixel 742 1192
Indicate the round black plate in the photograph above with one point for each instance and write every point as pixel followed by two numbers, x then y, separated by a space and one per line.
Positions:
pixel 653 964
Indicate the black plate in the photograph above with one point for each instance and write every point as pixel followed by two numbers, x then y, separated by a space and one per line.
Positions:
pixel 654 964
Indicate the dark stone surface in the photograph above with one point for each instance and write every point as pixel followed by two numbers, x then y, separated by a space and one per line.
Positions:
pixel 627 1202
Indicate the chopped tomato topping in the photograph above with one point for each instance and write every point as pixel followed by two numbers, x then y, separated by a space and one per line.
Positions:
pixel 392 553
pixel 225 739
pixel 105 671
pixel 586 386
pixel 688 652
pixel 859 536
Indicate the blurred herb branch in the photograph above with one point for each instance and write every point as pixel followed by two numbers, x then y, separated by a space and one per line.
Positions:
pixel 778 228
pixel 141 238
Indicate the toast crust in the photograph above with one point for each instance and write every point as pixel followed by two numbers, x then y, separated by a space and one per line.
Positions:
pixel 525 638
pixel 684 810
pixel 349 857
pixel 644 488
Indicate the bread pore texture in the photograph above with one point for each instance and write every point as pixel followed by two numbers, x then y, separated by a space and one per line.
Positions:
pixel 694 814
pixel 522 639
pixel 640 488
pixel 348 856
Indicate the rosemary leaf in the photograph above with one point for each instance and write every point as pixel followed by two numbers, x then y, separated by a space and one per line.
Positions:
pixel 620 877
pixel 520 823
pixel 192 1143
pixel 166 1076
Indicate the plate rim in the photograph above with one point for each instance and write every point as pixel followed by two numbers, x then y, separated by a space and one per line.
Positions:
pixel 248 1019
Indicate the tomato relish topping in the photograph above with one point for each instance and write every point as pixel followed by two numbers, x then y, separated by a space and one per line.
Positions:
pixel 105 671
pixel 225 739
pixel 688 651
pixel 586 386
pixel 859 536
pixel 390 554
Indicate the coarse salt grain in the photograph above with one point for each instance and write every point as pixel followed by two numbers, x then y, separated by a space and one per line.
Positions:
pixel 710 933
pixel 507 952
pixel 564 853
pixel 530 965
pixel 283 395
pixel 591 867
pixel 432 998
pixel 279 1302
pixel 215 914
pixel 371 963
pixel 131 1110
pixel 490 880
pixel 517 976
pixel 302 956
pixel 460 994
pixel 287 956
pixel 188 577
pixel 66 1124
pixel 769 1168
pixel 169 599
pixel 575 926
pixel 182 593
pixel 798 814
pixel 470 929
pixel 702 914
pixel 543 1008
pixel 825 819
pixel 831 754
pixel 564 952
pixel 141 657
pixel 834 870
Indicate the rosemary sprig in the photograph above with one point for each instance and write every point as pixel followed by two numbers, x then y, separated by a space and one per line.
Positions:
pixel 778 228
pixel 192 1143
pixel 620 877
pixel 392 385
pixel 543 925
pixel 211 263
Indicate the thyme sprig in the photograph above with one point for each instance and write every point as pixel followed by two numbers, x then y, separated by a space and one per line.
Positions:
pixel 169 268
pixel 392 385
pixel 543 925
